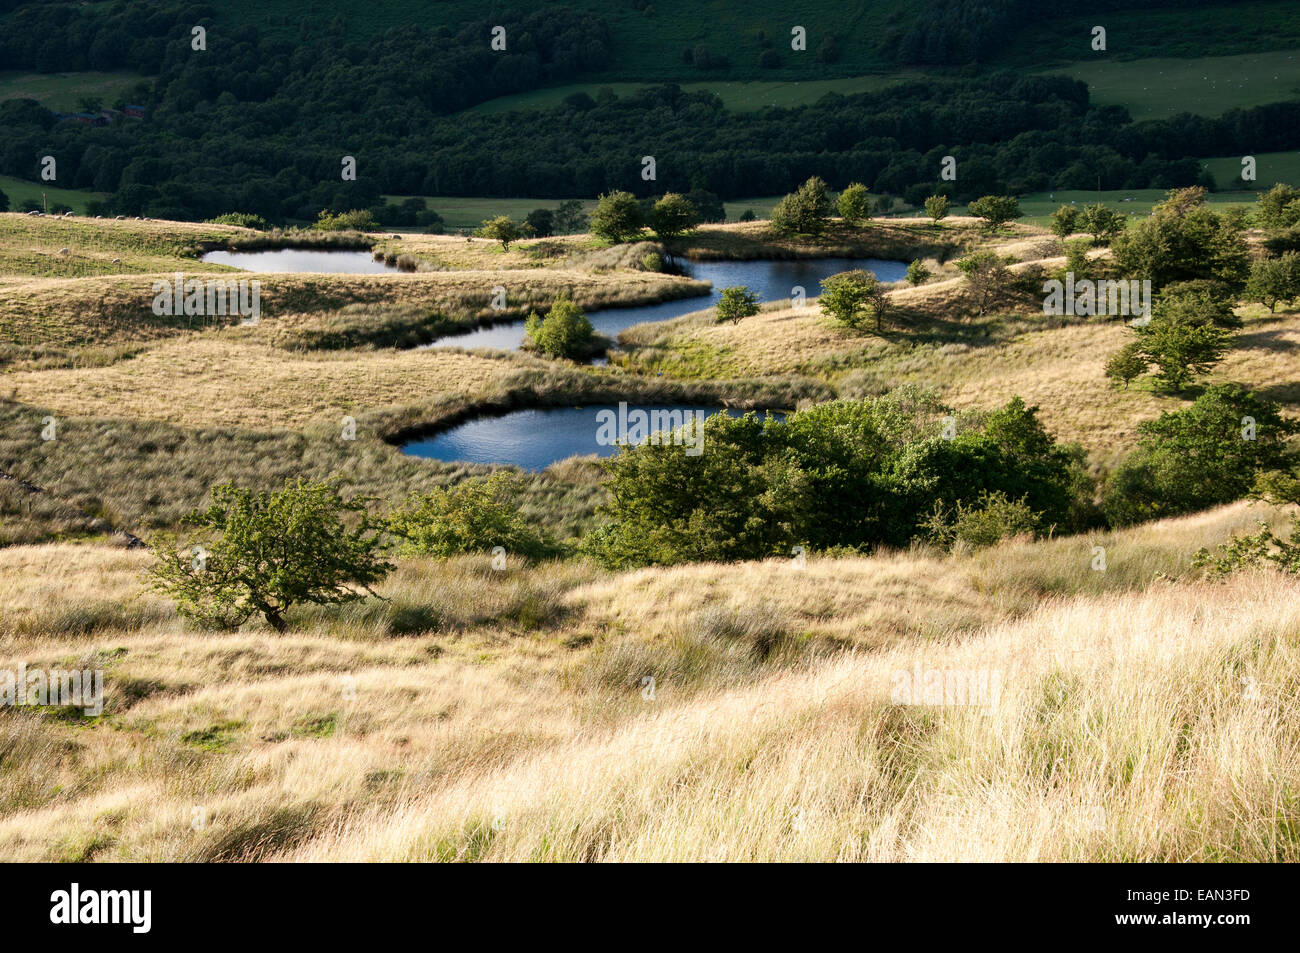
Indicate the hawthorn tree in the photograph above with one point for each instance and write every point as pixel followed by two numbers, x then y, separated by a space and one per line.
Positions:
pixel 266 552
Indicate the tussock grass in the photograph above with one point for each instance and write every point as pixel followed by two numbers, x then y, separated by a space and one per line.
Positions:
pixel 503 715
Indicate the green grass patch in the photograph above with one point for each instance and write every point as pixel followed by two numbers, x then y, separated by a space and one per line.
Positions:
pixel 1038 206
pixel 1161 87
pixel 62 91
pixel 1270 168
pixel 20 190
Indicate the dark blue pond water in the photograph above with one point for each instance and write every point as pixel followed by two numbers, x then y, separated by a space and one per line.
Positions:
pixel 534 439
pixel 770 280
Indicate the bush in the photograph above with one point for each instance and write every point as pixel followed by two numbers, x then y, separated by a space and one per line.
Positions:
pixel 1253 552
pixel 242 219
pixel 1202 456
pixel 737 302
pixel 471 517
pixel 1279 207
pixel 845 473
pixel 992 519
pixel 673 216
pixel 357 220
pixel 917 273
pixel 540 222
pixel 855 203
pixel 936 206
pixel 804 211
pixel 272 551
pixel 996 210
pixel 564 332
pixel 617 217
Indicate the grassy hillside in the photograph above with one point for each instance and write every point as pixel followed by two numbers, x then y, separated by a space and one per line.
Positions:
pixel 20 190
pixel 1159 87
pixel 510 722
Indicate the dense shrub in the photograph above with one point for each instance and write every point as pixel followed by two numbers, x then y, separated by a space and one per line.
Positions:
pixel 1183 240
pixel 1212 452
pixel 564 332
pixel 471 517
pixel 851 473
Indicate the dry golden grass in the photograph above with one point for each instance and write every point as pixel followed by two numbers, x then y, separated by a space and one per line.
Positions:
pixel 233 379
pixel 508 721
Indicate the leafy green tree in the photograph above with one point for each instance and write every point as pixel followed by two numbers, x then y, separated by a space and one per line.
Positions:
pixel 271 551
pixel 737 302
pixel 1279 207
pixel 474 516
pixel 1274 281
pixel 1181 351
pixel 1065 221
pixel 1102 222
pixel 1181 240
pixel 990 520
pixel 617 217
pixel 804 211
pixel 1210 453
pixel 852 296
pixel 673 216
pixel 855 203
pixel 564 332
pixel 917 273
pixel 996 210
pixel 936 206
pixel 540 222
pixel 1201 301
pixel 1127 364
pixel 500 229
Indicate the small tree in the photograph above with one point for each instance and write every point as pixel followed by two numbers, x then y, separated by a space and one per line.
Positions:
pixel 855 203
pixel 564 332
pixel 804 211
pixel 1181 350
pixel 500 229
pixel 617 217
pixel 936 206
pixel 1102 222
pixel 737 302
pixel 996 210
pixel 1279 207
pixel 673 216
pixel 1065 221
pixel 1127 363
pixel 987 278
pixel 851 296
pixel 1274 280
pixel 300 544
pixel 917 273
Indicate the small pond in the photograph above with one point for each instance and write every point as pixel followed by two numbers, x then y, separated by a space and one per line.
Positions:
pixel 536 438
pixel 329 261
pixel 770 280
